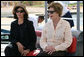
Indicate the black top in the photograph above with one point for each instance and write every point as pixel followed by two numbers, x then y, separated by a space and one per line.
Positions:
pixel 23 33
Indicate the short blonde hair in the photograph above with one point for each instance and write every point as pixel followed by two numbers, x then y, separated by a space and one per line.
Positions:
pixel 57 7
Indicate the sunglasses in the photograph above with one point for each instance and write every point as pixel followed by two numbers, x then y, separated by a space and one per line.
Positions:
pixel 21 11
pixel 51 12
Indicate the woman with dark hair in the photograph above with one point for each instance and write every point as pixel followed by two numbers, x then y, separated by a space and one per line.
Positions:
pixel 22 33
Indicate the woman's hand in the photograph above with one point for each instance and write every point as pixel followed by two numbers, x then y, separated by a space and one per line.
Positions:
pixel 20 47
pixel 25 52
pixel 50 49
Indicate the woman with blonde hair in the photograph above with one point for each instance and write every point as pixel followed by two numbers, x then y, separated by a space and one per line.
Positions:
pixel 56 35
pixel 22 33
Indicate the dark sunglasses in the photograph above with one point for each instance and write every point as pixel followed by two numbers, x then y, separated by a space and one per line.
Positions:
pixel 21 11
pixel 51 12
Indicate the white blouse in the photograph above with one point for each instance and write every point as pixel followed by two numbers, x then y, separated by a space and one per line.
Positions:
pixel 60 38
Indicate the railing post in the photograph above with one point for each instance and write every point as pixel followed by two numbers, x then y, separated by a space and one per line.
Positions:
pixel 78 15
pixel 46 16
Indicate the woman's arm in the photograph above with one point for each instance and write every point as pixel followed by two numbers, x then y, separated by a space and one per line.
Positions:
pixel 43 40
pixel 33 37
pixel 20 47
pixel 13 38
pixel 67 38
pixel 22 50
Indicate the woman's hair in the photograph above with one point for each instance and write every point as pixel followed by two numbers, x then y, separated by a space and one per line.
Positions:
pixel 24 9
pixel 57 7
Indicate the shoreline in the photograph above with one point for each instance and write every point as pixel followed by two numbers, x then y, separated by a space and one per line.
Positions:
pixel 34 10
pixel 38 10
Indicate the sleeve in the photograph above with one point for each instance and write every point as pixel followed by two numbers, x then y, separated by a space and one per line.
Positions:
pixel 43 40
pixel 13 38
pixel 33 39
pixel 67 38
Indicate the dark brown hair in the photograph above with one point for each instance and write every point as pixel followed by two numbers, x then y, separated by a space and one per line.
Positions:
pixel 24 9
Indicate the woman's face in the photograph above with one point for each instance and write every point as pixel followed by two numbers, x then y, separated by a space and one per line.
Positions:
pixel 20 13
pixel 52 13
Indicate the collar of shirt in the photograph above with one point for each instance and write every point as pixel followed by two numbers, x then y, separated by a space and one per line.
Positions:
pixel 58 25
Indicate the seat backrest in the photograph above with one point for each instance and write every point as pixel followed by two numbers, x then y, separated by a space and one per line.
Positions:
pixel 72 48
